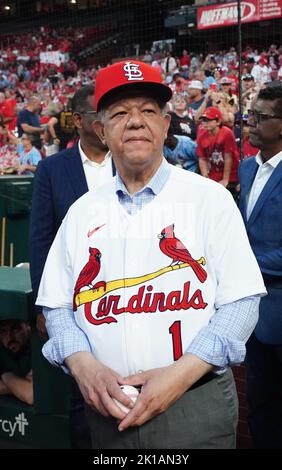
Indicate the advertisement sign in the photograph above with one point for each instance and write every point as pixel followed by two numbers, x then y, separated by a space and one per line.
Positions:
pixel 226 14
pixel 53 57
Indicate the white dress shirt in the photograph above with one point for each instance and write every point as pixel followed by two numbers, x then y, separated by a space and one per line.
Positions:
pixel 261 74
pixel 97 174
pixel 264 172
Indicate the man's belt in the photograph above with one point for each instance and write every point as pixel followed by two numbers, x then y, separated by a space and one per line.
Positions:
pixel 203 380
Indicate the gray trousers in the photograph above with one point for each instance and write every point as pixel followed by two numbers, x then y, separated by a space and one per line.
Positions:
pixel 203 418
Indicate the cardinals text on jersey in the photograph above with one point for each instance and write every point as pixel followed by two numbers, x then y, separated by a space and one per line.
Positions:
pixel 143 301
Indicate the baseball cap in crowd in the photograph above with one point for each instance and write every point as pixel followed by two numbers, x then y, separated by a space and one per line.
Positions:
pixel 225 81
pixel 247 77
pixel 125 75
pixel 212 113
pixel 196 84
pixel 168 79
pixel 262 61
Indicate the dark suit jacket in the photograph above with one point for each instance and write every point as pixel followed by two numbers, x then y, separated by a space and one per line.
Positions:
pixel 59 182
pixel 264 229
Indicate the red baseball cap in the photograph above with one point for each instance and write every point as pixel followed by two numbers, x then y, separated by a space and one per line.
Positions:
pixel 212 113
pixel 126 74
pixel 263 61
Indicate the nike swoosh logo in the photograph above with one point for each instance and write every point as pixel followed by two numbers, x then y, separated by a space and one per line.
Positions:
pixel 90 232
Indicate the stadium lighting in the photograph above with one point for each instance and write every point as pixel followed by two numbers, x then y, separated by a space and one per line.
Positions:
pixel 7 7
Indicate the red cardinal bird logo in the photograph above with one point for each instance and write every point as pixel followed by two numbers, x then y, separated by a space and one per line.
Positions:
pixel 88 274
pixel 174 248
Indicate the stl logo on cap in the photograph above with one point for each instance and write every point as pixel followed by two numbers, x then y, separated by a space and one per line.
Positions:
pixel 133 72
pixel 125 75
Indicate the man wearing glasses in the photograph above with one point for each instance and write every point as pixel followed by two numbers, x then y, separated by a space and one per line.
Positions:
pixel 60 180
pixel 28 153
pixel 261 207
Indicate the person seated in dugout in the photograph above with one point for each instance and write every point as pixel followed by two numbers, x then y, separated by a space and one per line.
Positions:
pixel 15 360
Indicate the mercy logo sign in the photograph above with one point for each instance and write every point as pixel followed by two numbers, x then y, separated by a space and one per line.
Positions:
pixel 11 427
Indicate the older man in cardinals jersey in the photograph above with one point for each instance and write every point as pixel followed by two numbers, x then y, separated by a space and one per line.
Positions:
pixel 150 283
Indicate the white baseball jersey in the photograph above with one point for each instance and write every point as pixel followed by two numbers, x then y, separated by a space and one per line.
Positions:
pixel 141 299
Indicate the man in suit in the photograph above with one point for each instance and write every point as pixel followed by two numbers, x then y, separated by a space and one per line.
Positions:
pixel 59 181
pixel 261 207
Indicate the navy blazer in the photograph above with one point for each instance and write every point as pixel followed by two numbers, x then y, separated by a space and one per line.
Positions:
pixel 59 181
pixel 264 229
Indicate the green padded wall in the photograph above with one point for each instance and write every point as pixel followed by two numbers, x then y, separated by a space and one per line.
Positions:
pixel 48 418
pixel 15 204
pixel 20 423
pixel 16 300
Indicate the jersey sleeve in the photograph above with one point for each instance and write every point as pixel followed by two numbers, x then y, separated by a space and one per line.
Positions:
pixel 57 284
pixel 236 269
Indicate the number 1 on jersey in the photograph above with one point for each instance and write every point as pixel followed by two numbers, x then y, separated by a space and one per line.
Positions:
pixel 175 331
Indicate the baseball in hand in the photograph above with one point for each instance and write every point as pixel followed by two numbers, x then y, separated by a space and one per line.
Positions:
pixel 131 392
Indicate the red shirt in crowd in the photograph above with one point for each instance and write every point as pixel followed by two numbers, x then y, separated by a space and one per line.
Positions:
pixel 214 147
pixel 248 149
pixel 185 61
pixel 8 110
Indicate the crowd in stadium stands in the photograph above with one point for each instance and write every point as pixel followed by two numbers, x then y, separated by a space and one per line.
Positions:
pixel 35 100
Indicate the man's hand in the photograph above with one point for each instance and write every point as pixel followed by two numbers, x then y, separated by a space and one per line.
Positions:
pixel 224 183
pixel 41 328
pixel 98 384
pixel 20 387
pixel 21 169
pixel 4 390
pixel 161 388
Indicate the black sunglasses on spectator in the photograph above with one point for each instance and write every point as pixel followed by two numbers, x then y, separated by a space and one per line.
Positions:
pixel 261 117
pixel 205 119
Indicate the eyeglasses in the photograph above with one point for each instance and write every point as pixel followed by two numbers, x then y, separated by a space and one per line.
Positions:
pixel 261 117
pixel 205 119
